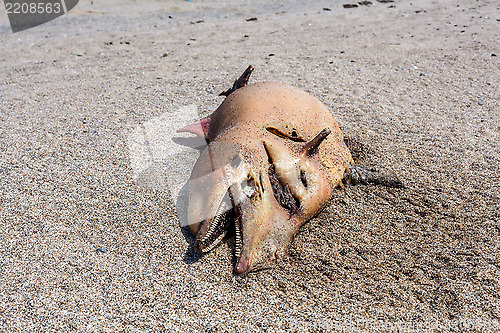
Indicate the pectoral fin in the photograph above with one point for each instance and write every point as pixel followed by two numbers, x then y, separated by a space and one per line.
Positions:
pixel 199 128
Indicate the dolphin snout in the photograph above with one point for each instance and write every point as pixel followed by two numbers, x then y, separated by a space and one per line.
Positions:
pixel 242 266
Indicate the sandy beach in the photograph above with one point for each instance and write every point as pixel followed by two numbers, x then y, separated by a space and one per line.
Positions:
pixel 87 246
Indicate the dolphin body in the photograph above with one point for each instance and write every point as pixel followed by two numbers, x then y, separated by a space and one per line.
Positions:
pixel 274 156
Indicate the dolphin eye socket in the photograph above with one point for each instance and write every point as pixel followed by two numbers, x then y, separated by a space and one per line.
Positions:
pixel 303 178
pixel 248 186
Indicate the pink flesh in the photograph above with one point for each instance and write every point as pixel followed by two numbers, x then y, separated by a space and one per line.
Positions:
pixel 199 128
pixel 242 266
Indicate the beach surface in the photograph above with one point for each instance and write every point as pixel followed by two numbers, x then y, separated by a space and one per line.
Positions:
pixel 92 175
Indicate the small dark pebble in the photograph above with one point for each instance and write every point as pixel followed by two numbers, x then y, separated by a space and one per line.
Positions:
pixel 170 16
pixel 493 55
pixel 350 5
pixel 246 36
pixel 353 60
pixel 327 9
pixel 342 52
pixel 271 54
pixel 102 250
pixel 108 43
pixel 422 74
pixel 164 55
pixel 251 19
pixel 365 3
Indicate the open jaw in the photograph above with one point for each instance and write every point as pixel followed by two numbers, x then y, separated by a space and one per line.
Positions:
pixel 213 230
pixel 229 216
pixel 226 221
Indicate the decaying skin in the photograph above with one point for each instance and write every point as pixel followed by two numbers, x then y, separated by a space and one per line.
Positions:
pixel 274 157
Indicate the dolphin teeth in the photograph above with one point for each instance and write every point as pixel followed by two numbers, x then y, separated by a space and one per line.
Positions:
pixel 214 243
pixel 216 221
pixel 208 239
pixel 238 239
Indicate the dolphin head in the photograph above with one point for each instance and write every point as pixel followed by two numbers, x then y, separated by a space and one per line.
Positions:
pixel 262 186
pixel 274 156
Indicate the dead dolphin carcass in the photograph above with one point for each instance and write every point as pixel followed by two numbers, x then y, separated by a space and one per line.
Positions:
pixel 274 156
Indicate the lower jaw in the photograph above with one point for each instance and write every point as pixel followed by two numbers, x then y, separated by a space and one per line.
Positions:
pixel 204 244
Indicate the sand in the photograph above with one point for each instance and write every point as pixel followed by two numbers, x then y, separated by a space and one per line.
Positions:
pixel 414 86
